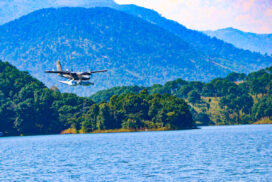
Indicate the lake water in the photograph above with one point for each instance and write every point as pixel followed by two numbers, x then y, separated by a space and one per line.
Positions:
pixel 217 153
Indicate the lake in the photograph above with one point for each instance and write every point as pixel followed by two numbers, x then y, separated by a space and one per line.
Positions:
pixel 215 153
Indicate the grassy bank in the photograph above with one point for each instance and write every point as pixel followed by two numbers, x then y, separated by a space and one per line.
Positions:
pixel 74 131
pixel 265 120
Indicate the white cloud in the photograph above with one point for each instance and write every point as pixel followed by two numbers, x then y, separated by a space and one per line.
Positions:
pixel 70 3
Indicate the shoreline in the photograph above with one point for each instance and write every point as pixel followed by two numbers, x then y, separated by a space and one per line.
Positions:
pixel 73 131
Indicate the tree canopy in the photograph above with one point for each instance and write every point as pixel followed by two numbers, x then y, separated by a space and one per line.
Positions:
pixel 28 107
pixel 236 99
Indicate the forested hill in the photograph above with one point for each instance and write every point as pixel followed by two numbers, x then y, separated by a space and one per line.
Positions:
pixel 28 107
pixel 216 49
pixel 236 99
pixel 246 40
pixel 133 50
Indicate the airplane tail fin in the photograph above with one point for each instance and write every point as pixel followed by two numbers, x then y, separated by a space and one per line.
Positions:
pixel 59 68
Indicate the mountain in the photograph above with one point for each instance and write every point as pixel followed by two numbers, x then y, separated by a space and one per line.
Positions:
pixel 133 50
pixel 218 51
pixel 245 40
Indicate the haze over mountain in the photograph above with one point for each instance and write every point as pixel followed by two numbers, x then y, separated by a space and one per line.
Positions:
pixel 12 9
pixel 218 51
pixel 134 51
pixel 246 40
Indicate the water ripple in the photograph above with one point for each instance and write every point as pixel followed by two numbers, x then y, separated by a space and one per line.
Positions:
pixel 225 153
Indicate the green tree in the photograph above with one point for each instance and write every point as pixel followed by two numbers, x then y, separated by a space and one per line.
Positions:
pixel 194 96
pixel 104 118
pixel 90 119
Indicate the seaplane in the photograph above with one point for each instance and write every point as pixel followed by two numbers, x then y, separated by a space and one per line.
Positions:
pixel 75 78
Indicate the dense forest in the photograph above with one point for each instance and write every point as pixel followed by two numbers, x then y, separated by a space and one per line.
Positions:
pixel 236 99
pixel 28 107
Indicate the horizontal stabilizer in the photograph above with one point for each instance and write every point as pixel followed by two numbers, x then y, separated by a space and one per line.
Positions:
pixel 91 72
pixel 86 83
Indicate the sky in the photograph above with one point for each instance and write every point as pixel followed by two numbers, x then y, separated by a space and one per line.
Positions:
pixel 246 15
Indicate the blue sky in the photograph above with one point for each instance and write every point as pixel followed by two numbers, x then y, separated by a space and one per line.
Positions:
pixel 247 15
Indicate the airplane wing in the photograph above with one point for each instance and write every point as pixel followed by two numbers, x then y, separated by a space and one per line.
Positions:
pixel 66 74
pixel 91 72
pixel 61 72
